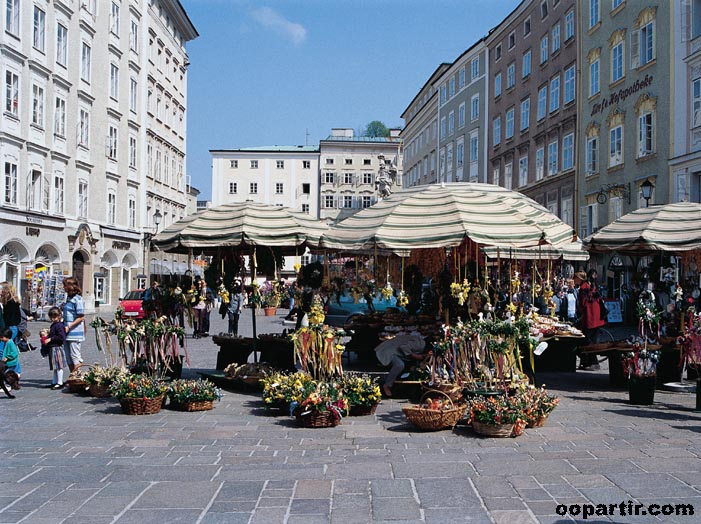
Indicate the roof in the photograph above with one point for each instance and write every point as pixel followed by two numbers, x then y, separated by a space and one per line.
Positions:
pixel 270 149
pixel 361 139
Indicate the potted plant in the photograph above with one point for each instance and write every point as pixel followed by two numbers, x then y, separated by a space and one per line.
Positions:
pixel 99 379
pixel 280 390
pixel 322 408
pixel 139 394
pixel 192 395
pixel 537 405
pixel 271 295
pixel 362 393
pixel 497 416
pixel 640 365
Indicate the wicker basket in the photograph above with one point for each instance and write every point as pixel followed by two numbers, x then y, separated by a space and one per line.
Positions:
pixel 141 406
pixel 538 422
pixel 317 419
pixel 451 390
pixel 76 386
pixel 490 430
pixel 100 391
pixel 196 405
pixel 435 419
pixel 362 411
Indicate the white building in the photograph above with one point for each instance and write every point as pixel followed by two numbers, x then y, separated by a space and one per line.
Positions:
pixel 92 139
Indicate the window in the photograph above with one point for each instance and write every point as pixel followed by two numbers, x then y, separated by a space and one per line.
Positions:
pixel 539 163
pixel 451 87
pixel 367 161
pixel 594 77
pixel 329 161
pixel 569 85
pixel 475 68
pixel 525 114
pixel 615 4
pixel 84 128
pixel 233 188
pixel 696 102
pixel 594 15
pixel 592 157
pixel 527 27
pixel 544 9
pixel 10 183
pixel 526 64
pixel 552 158
pixel 329 202
pixel 12 93
pixel 39 27
pixel 132 152
pixel 254 164
pixel 569 25
pixel 114 81
pixel 647 43
pixel 100 287
pixel 12 17
pixel 280 164
pixel 508 174
pixel 347 201
pixel 61 44
pixel 523 171
pixel 443 127
pixel 444 94
pixel 590 220
pixel 253 188
pixel 555 94
pixel 60 117
pixel 461 78
pixel 347 178
pixel 306 164
pixel 451 122
pixel 567 214
pixel 509 132
pixel 542 102
pixel 461 115
pixel 38 106
pixel 305 208
pixel 82 199
pixel 149 160
pixel 367 178
pixel 475 108
pixel 645 134
pixel 459 152
pixel 348 161
pixel 495 176
pixel 233 164
pixel 616 146
pixel 568 152
pixel 556 38
pixel 329 178
pixel 367 201
pixel 58 194
pixel 132 213
pixel 111 208
pixel 279 188
pixel 512 40
pixel 511 75
pixel 544 50
pixel 617 62
pixel 112 143
pixel 497 53
pixel 134 36
pixel 114 19
pixel 497 85
pixel 157 169
pixel 496 131
pixel 85 62
pixel 133 90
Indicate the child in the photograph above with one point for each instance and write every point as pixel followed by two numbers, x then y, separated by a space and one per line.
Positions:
pixel 54 342
pixel 234 310
pixel 10 355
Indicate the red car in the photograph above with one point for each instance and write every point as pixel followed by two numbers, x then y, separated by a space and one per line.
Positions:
pixel 132 303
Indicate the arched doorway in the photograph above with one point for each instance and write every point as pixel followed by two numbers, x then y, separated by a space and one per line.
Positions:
pixel 79 262
pixel 128 263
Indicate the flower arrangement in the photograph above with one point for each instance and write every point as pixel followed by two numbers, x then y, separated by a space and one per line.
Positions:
pixel 641 362
pixel 286 388
pixel 138 386
pixel 318 350
pixel 104 376
pixel 496 410
pixel 360 390
pixel 402 299
pixel 316 315
pixel 387 291
pixel 460 291
pixel 326 397
pixel 182 391
pixel 271 293
pixel 536 403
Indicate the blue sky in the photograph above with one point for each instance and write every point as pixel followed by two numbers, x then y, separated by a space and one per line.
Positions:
pixel 267 72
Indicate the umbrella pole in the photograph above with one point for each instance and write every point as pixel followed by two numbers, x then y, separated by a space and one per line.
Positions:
pixel 253 309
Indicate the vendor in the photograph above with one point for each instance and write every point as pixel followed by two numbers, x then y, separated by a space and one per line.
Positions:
pixel 396 352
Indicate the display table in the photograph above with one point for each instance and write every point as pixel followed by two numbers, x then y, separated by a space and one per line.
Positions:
pixel 561 354
pixel 278 351
pixel 232 349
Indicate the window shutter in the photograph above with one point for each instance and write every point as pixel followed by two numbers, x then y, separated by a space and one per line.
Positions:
pixel 685 33
pixel 641 136
pixel 635 49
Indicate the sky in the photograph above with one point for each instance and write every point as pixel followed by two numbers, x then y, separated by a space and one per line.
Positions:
pixel 284 72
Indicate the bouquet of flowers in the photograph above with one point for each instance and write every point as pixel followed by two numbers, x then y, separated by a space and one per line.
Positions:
pixel 460 291
pixel 360 390
pixel 325 398
pixel 182 391
pixel 282 388
pixel 318 350
pixel 271 293
pixel 137 386
pixel 496 410
pixel 536 403
pixel 104 376
pixel 641 362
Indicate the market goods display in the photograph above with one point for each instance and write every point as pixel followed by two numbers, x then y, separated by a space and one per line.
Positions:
pixel 434 414
pixel 192 395
pixel 248 375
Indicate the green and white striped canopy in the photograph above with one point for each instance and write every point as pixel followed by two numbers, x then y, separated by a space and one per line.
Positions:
pixel 567 251
pixel 242 224
pixel 669 227
pixel 439 216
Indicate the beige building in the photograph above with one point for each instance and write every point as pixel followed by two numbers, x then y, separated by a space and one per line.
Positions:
pixel 92 140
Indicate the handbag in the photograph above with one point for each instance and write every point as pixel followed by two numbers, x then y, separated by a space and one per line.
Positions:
pixel 603 310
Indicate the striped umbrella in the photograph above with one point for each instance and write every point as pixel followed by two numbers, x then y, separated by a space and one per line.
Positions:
pixel 568 251
pixel 244 224
pixel 669 227
pixel 436 216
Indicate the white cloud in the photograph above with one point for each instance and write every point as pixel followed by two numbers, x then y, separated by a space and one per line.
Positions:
pixel 270 18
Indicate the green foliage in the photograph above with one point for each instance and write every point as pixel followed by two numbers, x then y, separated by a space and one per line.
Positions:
pixel 137 386
pixel 193 391
pixel 376 129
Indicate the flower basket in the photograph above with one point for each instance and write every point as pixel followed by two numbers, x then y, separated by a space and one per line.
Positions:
pixel 141 406
pixel 430 419
pixel 491 430
pixel 538 422
pixel 201 405
pixel 362 410
pixel 451 390
pixel 77 385
pixel 317 419
pixel 100 391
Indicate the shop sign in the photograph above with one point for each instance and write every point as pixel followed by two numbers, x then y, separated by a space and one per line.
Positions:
pixel 32 231
pixel 116 244
pixel 28 273
pixel 623 93
pixel 34 220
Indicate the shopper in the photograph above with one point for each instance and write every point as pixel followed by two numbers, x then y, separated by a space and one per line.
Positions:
pixel 54 342
pixel 589 310
pixel 10 355
pixel 11 311
pixel 396 353
pixel 234 309
pixel 74 320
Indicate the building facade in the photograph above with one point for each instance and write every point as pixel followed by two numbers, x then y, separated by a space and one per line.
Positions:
pixel 532 104
pixel 77 121
pixel 348 166
pixel 420 134
pixel 462 116
pixel 627 121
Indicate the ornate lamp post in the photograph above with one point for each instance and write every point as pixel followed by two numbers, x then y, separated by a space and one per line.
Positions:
pixel 646 189
pixel 147 243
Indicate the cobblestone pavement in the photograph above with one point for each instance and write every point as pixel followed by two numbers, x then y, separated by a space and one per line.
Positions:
pixel 76 460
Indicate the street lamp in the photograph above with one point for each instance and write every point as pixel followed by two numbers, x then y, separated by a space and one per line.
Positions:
pixel 646 189
pixel 147 242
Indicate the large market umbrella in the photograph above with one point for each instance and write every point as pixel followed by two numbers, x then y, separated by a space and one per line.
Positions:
pixel 669 227
pixel 240 225
pixel 440 216
pixel 568 251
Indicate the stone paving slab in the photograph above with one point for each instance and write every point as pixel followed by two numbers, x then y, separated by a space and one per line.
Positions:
pixel 68 459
